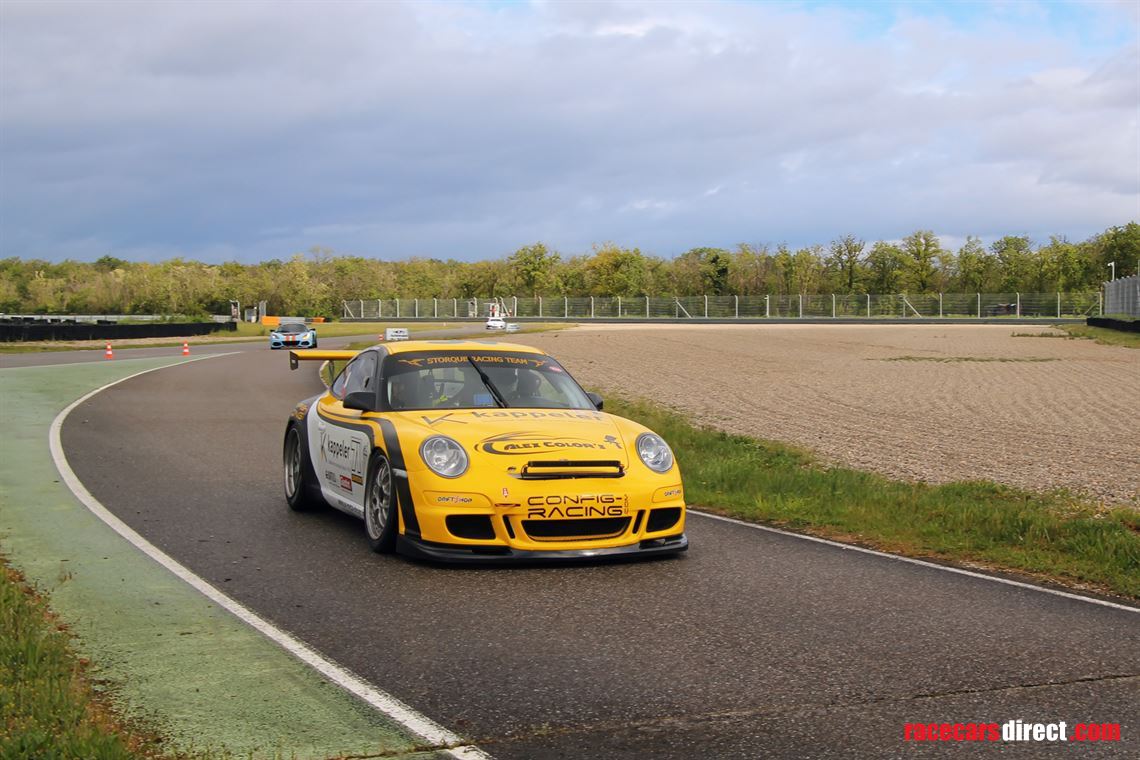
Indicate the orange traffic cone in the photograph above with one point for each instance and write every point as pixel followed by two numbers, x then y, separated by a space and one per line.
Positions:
pixel 185 348
pixel 108 354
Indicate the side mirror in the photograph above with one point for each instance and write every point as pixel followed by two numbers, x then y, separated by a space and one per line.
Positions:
pixel 596 399
pixel 364 401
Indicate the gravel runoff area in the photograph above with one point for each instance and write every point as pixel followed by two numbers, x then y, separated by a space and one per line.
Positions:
pixel 934 403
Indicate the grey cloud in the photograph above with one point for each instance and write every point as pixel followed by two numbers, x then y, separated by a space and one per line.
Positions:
pixel 467 130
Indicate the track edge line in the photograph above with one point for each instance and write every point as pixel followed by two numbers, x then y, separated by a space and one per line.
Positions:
pixel 919 562
pixel 414 722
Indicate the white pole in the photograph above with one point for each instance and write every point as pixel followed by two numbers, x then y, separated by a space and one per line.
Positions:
pixel 455 307
pixel 736 306
pixel 801 305
pixel 868 306
pixel 397 308
pixel 565 307
pixel 1058 304
pixel 591 307
pixel 1019 306
pixel 706 307
pixel 767 305
pixel 540 306
pixel 434 307
pixel 940 305
pixel 979 305
pixel 417 308
pixel 833 306
pixel 647 307
pixel 619 307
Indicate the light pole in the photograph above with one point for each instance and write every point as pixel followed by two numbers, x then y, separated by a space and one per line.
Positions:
pixel 1113 265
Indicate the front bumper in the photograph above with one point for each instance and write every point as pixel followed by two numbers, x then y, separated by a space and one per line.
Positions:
pixel 494 553
pixel 280 343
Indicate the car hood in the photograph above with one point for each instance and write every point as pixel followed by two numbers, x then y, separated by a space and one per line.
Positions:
pixel 512 437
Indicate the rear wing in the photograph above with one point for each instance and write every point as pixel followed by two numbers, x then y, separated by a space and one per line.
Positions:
pixel 296 357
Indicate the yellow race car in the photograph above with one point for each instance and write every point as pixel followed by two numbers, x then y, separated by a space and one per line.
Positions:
pixel 480 451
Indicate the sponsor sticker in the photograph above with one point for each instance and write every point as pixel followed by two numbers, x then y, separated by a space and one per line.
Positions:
pixel 572 506
pixel 532 442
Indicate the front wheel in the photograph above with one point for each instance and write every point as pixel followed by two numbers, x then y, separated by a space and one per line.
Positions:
pixel 380 505
pixel 297 486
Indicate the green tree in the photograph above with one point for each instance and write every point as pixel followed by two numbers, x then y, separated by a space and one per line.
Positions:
pixel 615 271
pixel 534 267
pixel 886 264
pixel 921 250
pixel 1014 255
pixel 846 253
pixel 702 271
pixel 975 267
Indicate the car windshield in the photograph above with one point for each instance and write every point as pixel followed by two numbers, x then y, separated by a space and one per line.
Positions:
pixel 292 328
pixel 454 380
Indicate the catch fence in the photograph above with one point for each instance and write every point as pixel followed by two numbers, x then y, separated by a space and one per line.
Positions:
pixel 1122 296
pixel 830 306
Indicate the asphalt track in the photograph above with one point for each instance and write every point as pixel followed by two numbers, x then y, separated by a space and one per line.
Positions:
pixel 753 645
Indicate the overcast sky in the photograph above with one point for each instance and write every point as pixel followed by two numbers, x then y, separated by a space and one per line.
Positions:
pixel 248 131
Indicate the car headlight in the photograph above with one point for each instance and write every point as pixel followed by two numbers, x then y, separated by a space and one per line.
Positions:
pixel 444 456
pixel 275 336
pixel 654 452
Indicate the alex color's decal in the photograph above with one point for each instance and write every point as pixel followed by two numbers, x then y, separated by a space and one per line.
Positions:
pixel 529 442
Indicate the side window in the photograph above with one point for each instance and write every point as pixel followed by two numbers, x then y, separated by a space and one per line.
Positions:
pixel 361 373
pixel 337 388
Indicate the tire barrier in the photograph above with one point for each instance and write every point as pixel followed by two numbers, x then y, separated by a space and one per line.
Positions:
pixel 1114 324
pixel 20 331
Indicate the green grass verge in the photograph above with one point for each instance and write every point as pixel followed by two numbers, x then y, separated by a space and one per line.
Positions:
pixel 47 705
pixel 1054 536
pixel 1104 335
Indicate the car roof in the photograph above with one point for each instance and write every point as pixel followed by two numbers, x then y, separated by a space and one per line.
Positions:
pixel 405 346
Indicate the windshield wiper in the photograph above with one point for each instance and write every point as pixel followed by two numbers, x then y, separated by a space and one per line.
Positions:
pixel 487 382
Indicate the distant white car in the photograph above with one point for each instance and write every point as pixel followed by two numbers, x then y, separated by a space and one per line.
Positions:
pixel 512 326
pixel 496 323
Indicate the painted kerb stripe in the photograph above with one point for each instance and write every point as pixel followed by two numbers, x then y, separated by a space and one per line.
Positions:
pixel 922 563
pixel 417 724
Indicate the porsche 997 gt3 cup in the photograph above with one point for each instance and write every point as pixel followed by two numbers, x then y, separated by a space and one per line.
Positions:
pixel 480 451
pixel 293 335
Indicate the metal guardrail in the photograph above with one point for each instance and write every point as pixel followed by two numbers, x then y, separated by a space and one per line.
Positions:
pixel 831 306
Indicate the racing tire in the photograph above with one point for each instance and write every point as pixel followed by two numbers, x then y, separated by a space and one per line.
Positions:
pixel 380 520
pixel 314 343
pixel 299 483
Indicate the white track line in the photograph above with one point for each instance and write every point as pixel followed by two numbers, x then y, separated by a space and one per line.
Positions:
pixel 419 725
pixel 922 563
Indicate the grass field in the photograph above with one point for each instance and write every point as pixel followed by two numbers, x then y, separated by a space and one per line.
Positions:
pixel 1102 335
pixel 1051 536
pixel 49 708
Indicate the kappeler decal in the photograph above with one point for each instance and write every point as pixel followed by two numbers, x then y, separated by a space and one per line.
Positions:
pixel 531 442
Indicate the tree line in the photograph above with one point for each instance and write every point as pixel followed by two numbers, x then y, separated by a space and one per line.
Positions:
pixel 316 282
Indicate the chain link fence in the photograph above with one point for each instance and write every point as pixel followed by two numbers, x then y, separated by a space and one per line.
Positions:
pixel 831 306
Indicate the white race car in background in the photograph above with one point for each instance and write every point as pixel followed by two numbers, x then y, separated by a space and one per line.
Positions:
pixel 496 323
